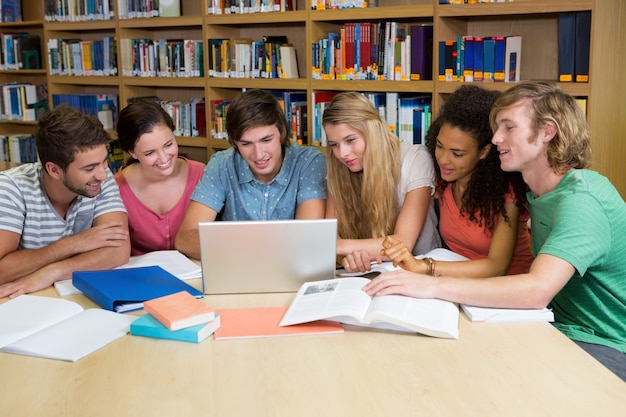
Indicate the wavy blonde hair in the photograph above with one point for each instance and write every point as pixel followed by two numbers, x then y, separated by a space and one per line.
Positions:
pixel 548 104
pixel 366 202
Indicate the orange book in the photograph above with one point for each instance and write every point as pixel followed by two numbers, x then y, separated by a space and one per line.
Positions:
pixel 179 310
pixel 243 323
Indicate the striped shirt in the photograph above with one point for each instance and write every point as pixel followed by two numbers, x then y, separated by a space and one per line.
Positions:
pixel 26 210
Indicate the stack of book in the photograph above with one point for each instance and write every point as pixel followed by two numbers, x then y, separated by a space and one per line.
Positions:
pixel 178 316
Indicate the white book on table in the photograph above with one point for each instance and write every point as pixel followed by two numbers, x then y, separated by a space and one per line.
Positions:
pixel 504 315
pixel 55 328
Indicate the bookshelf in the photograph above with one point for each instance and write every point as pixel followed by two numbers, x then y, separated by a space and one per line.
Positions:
pixel 535 20
pixel 32 22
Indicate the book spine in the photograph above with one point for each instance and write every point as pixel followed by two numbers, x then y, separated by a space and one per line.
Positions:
pixel 582 46
pixel 566 48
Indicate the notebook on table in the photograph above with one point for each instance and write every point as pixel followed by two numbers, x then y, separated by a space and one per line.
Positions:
pixel 240 257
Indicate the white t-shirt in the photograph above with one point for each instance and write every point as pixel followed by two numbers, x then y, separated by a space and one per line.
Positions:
pixel 418 171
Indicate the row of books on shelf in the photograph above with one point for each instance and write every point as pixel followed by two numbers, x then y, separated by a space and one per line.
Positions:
pixel 78 10
pixel 293 103
pixel 385 50
pixel 162 57
pixel 11 10
pixel 132 9
pixel 473 58
pixel 471 1
pixel 82 57
pixel 189 117
pixel 342 4
pixel 18 147
pixel 220 7
pixel 271 57
pixel 23 101
pixel 19 51
pixel 103 106
pixel 407 115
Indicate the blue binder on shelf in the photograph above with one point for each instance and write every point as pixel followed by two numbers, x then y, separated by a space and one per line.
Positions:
pixel 123 290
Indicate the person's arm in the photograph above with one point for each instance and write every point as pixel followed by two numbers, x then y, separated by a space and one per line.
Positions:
pixel 501 250
pixel 311 209
pixel 311 194
pixel 187 241
pixel 103 246
pixel 547 275
pixel 358 253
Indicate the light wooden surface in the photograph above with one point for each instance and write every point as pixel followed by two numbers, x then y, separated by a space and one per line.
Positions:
pixel 4 165
pixel 494 369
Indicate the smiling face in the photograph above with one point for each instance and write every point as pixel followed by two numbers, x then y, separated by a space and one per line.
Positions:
pixel 348 145
pixel 260 147
pixel 519 144
pixel 156 151
pixel 457 153
pixel 84 175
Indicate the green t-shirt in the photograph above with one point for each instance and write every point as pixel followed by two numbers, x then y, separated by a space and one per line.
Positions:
pixel 583 221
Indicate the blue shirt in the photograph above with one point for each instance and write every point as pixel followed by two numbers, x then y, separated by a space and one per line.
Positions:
pixel 228 183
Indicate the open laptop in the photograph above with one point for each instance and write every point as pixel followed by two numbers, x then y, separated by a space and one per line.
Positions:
pixel 241 257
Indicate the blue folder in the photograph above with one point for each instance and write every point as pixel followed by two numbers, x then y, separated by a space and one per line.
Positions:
pixel 122 290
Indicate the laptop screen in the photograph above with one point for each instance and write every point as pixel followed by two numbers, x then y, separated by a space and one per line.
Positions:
pixel 240 257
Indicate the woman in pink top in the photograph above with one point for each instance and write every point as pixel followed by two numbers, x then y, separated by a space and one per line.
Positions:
pixel 483 214
pixel 155 184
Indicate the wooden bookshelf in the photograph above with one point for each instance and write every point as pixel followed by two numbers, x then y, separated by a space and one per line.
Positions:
pixel 535 20
pixel 32 22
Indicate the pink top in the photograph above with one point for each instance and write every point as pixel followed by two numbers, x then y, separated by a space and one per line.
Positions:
pixel 472 241
pixel 150 231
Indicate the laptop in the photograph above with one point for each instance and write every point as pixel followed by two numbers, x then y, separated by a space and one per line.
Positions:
pixel 240 257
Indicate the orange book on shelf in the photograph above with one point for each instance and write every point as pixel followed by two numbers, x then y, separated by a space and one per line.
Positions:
pixel 243 323
pixel 179 310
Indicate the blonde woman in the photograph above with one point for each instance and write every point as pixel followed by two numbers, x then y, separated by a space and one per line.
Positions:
pixel 377 186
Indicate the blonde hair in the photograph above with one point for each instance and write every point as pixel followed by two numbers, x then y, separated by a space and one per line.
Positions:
pixel 548 104
pixel 366 202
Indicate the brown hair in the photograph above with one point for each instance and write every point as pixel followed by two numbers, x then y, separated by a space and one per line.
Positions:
pixel 255 108
pixel 64 131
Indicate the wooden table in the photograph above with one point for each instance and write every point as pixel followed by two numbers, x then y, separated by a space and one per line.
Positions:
pixel 494 369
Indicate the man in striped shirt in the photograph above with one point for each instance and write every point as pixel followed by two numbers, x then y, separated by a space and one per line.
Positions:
pixel 63 213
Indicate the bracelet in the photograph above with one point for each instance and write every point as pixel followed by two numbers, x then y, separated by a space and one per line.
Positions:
pixel 430 263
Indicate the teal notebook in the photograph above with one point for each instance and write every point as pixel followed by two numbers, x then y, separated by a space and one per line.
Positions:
pixel 123 290
pixel 148 326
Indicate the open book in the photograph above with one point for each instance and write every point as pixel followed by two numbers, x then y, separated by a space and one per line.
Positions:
pixel 343 300
pixel 57 329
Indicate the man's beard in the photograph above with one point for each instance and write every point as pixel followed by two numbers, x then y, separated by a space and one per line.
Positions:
pixel 80 190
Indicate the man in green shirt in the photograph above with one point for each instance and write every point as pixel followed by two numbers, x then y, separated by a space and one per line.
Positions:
pixel 578 228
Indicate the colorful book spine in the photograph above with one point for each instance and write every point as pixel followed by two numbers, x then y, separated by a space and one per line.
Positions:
pixel 489 59
pixel 148 326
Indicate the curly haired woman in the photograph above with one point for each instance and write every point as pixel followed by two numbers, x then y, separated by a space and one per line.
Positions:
pixel 483 214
